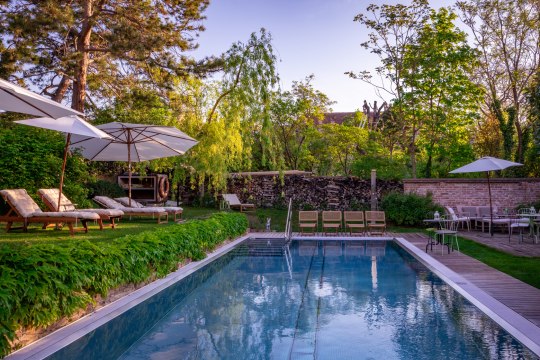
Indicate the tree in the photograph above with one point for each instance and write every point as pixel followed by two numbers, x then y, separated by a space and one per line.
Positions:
pixel 437 67
pixel 295 115
pixel 508 35
pixel 393 29
pixel 96 47
pixel 344 144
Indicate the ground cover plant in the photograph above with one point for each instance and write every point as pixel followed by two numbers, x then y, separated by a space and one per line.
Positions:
pixel 44 282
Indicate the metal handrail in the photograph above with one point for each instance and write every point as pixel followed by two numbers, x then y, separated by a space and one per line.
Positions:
pixel 288 224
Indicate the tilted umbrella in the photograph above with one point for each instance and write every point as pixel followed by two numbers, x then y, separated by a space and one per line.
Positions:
pixel 17 99
pixel 69 125
pixel 134 143
pixel 486 164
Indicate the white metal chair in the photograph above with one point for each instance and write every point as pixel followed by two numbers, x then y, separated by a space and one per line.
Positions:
pixel 460 220
pixel 447 228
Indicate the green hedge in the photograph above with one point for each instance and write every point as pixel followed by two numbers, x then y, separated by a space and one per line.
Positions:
pixel 42 283
pixel 408 209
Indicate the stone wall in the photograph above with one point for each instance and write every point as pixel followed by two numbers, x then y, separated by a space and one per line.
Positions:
pixel 310 192
pixel 505 193
pixel 307 192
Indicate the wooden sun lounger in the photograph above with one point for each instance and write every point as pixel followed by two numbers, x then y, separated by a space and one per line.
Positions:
pixel 50 198
pixel 23 209
pixel 155 212
pixel 174 211
pixel 232 201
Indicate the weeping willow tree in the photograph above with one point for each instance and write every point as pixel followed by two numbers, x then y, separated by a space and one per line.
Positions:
pixel 231 115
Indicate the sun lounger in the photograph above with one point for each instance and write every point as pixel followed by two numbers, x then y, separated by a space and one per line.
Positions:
pixel 23 209
pixel 376 222
pixel 232 202
pixel 308 220
pixel 155 212
pixel 173 211
pixel 331 220
pixel 354 220
pixel 50 198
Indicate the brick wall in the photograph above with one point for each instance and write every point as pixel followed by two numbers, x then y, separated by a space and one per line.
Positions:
pixel 505 193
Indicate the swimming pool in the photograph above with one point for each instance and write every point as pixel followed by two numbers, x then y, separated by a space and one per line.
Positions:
pixel 314 299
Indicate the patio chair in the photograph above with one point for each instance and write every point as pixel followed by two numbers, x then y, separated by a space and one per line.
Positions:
pixel 448 228
pixel 231 201
pixel 155 212
pixel 174 212
pixel 23 209
pixel 472 213
pixel 50 199
pixel 308 220
pixel 376 222
pixel 451 214
pixel 331 220
pixel 354 220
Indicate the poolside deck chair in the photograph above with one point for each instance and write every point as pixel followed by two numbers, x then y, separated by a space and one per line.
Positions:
pixel 354 220
pixel 155 212
pixel 463 220
pixel 232 202
pixel 174 212
pixel 50 198
pixel 308 220
pixel 23 209
pixel 376 222
pixel 331 220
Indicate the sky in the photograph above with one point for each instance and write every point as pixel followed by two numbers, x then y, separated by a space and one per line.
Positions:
pixel 316 37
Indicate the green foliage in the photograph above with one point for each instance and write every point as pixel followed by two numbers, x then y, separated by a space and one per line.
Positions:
pixel 387 168
pixel 408 209
pixel 41 283
pixel 105 188
pixel 101 48
pixel 32 159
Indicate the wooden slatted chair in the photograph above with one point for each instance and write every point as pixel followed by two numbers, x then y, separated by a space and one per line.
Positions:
pixel 354 220
pixel 331 220
pixel 232 202
pixel 376 222
pixel 308 220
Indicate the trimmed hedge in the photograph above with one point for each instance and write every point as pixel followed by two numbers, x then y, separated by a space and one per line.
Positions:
pixel 43 283
pixel 409 209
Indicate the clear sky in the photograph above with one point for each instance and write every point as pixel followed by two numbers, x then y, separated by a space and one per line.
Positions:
pixel 309 36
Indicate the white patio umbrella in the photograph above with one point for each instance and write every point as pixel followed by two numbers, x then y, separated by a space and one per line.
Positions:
pixel 17 99
pixel 69 125
pixel 486 164
pixel 134 143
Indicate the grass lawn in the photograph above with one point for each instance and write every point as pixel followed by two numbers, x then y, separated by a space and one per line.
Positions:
pixel 522 268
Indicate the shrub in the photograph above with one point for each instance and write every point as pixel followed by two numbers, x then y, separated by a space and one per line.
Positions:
pixel 41 283
pixel 106 188
pixel 408 209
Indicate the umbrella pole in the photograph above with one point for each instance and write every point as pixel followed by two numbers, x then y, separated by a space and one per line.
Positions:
pixel 129 166
pixel 66 148
pixel 490 207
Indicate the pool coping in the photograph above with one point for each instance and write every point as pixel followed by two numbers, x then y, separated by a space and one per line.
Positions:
pixel 72 332
pixel 519 327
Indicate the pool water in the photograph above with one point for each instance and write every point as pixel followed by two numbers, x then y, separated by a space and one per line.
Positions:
pixel 312 300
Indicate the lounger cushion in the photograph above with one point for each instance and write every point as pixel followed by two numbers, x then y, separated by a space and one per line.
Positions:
pixel 104 212
pixel 112 204
pixel 51 196
pixel 125 201
pixel 23 203
pixel 137 205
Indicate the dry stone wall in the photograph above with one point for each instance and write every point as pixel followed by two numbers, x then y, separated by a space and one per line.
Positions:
pixel 307 192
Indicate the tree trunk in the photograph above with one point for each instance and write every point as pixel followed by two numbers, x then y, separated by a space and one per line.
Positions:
pixel 83 43
pixel 61 89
